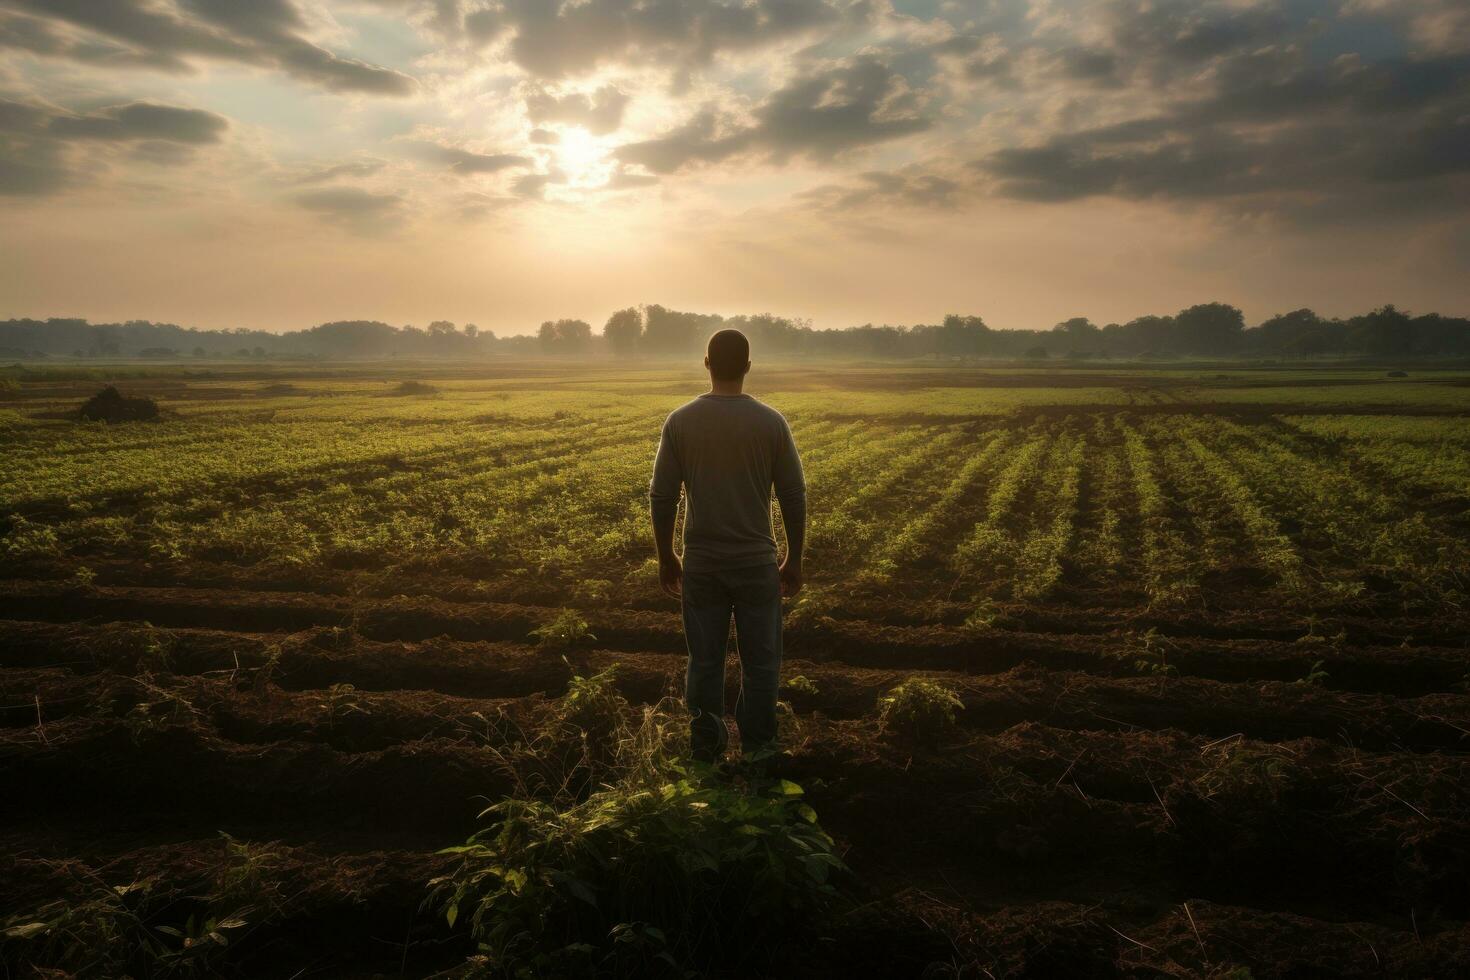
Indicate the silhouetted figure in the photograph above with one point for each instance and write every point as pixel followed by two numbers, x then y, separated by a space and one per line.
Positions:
pixel 727 450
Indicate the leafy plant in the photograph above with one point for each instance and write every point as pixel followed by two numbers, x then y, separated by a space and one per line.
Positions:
pixel 157 710
pixel 341 702
pixel 1241 774
pixel 986 614
pixel 1316 677
pixel 592 706
pixel 567 630
pixel 919 708
pixel 1150 653
pixel 645 876
pixel 135 930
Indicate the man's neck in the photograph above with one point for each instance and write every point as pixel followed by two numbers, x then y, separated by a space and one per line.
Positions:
pixel 725 387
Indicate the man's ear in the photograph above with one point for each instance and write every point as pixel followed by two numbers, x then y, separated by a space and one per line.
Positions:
pixel 747 368
pixel 706 363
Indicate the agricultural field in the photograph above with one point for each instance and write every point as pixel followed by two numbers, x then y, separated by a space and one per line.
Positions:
pixel 1197 645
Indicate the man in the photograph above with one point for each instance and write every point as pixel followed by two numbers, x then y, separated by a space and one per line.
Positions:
pixel 728 450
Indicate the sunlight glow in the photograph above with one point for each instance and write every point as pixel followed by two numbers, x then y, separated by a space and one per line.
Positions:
pixel 583 158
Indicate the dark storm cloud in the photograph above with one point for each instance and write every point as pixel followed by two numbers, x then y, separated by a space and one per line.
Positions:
pixel 257 32
pixel 1090 65
pixel 1272 125
pixel 1188 32
pixel 601 112
pixel 41 145
pixel 818 116
pixel 555 38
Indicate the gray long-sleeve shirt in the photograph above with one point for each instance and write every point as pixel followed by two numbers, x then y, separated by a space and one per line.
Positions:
pixel 727 451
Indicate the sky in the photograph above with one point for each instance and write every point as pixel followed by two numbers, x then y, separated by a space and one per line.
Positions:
pixel 279 163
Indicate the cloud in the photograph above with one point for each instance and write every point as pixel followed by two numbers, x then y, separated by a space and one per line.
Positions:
pixel 1277 126
pixel 142 121
pixel 1438 25
pixel 30 169
pixel 906 188
pixel 532 187
pixel 356 209
pixel 553 39
pixel 818 116
pixel 41 146
pixel 361 168
pixel 1187 32
pixel 466 162
pixel 268 33
pixel 600 112
pixel 627 180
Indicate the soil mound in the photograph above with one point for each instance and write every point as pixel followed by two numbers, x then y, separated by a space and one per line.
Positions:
pixel 413 388
pixel 111 405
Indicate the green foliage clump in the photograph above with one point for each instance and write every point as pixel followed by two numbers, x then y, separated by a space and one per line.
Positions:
pixel 645 876
pixel 593 707
pixel 1239 774
pixel 144 928
pixel 919 708
pixel 801 684
pixel 111 405
pixel 567 630
pixel 1316 677
pixel 1150 653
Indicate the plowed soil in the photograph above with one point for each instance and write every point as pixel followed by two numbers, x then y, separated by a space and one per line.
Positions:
pixel 1233 813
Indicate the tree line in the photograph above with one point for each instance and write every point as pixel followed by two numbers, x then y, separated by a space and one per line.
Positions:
pixel 655 332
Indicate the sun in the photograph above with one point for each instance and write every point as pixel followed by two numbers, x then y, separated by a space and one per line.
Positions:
pixel 583 158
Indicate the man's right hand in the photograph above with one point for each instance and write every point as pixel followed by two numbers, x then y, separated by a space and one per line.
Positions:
pixel 671 576
pixel 791 578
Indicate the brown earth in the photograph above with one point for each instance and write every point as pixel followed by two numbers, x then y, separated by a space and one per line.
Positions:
pixel 1083 819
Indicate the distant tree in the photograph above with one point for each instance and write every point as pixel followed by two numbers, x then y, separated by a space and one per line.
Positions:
pixel 200 352
pixel 1145 333
pixel 471 331
pixel 1300 332
pixel 623 330
pixel 565 337
pixel 667 332
pixel 1387 331
pixel 1077 328
pixel 1037 353
pixel 1210 328
pixel 964 335
pixel 442 328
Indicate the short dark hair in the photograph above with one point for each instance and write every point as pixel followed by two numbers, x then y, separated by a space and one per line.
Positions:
pixel 729 355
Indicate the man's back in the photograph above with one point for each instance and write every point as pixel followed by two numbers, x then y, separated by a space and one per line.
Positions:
pixel 727 451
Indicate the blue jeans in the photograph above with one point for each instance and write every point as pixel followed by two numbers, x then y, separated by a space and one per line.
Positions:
pixel 753 597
